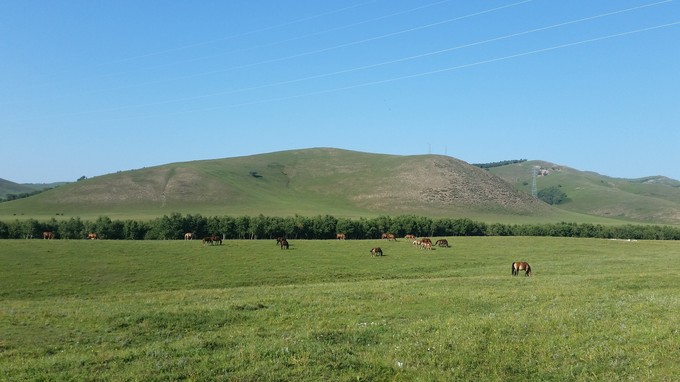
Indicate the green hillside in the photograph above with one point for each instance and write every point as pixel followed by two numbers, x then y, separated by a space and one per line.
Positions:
pixel 10 188
pixel 343 183
pixel 306 182
pixel 650 199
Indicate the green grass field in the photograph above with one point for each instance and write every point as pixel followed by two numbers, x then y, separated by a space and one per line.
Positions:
pixel 326 310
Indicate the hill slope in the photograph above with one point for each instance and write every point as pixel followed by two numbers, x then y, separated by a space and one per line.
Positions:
pixel 8 187
pixel 651 199
pixel 306 182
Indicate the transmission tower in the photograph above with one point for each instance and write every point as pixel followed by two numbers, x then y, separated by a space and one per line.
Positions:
pixel 534 190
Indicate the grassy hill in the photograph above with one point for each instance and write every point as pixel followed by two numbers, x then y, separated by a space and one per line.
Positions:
pixel 7 187
pixel 651 199
pixel 354 184
pixel 305 182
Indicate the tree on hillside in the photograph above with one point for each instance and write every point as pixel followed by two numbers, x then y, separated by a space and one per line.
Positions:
pixel 552 195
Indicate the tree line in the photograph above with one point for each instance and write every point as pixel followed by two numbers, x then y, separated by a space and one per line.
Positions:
pixel 175 225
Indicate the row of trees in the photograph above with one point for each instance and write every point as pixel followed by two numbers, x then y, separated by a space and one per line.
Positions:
pixel 174 226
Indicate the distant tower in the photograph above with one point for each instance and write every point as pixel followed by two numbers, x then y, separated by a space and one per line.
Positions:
pixel 534 190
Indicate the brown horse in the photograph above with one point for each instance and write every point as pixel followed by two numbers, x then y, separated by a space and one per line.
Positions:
pixel 442 243
pixel 48 235
pixel 340 236
pixel 390 237
pixel 521 266
pixel 377 251
pixel 92 236
pixel 282 242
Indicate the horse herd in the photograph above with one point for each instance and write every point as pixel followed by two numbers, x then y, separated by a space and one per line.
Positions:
pixel 282 242
pixel 49 235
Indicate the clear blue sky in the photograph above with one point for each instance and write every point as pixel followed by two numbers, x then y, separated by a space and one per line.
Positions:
pixel 95 87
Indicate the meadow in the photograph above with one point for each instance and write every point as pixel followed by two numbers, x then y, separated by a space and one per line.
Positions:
pixel 595 309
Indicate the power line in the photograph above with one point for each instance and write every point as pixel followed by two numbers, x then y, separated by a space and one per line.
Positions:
pixel 403 59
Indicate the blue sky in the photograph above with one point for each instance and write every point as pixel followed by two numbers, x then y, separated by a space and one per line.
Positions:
pixel 94 87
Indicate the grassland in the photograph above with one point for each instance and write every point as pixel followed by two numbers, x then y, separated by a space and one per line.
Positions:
pixel 326 310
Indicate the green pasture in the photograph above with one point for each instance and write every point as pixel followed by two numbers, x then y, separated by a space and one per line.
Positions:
pixel 326 310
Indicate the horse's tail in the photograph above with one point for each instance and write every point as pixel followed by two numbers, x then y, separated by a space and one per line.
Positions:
pixel 528 269
pixel 512 268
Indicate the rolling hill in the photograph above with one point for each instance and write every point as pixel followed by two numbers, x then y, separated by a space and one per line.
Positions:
pixel 306 182
pixel 354 184
pixel 653 199
pixel 7 187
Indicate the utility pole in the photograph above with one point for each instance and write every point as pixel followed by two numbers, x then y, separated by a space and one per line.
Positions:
pixel 534 190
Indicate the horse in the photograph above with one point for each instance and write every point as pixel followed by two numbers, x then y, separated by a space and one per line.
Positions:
pixel 207 240
pixel 426 245
pixel 283 243
pixel 390 237
pixel 92 236
pixel 376 251
pixel 340 236
pixel 48 235
pixel 521 266
pixel 409 236
pixel 216 240
pixel 442 243
pixel 188 236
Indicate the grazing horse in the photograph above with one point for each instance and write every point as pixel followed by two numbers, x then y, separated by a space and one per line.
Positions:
pixel 426 245
pixel 216 240
pixel 521 266
pixel 376 251
pixel 207 240
pixel 92 236
pixel 284 244
pixel 48 235
pixel 390 237
pixel 410 236
pixel 340 236
pixel 442 243
pixel 188 236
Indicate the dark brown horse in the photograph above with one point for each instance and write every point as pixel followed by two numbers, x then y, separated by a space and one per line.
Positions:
pixel 521 266
pixel 283 242
pixel 49 235
pixel 377 251
pixel 442 243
